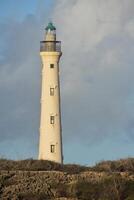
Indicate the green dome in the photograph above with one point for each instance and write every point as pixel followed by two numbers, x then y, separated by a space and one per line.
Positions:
pixel 50 27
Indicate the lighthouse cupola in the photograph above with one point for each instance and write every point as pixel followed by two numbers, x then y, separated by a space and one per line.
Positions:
pixel 50 44
pixel 50 32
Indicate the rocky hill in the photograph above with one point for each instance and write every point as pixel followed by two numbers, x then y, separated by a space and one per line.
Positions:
pixel 43 180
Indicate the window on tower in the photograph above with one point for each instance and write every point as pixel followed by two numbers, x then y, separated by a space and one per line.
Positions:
pixel 52 148
pixel 51 65
pixel 51 119
pixel 51 91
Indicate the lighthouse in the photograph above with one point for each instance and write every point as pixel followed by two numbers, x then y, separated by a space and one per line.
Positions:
pixel 50 142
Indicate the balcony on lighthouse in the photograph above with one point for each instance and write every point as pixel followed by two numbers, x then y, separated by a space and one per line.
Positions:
pixel 50 44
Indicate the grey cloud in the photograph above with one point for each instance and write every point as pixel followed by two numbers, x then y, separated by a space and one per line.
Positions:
pixel 19 81
pixel 97 73
pixel 20 77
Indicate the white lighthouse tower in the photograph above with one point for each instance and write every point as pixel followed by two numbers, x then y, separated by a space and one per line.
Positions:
pixel 50 144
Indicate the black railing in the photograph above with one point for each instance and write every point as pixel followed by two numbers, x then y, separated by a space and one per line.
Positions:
pixel 50 46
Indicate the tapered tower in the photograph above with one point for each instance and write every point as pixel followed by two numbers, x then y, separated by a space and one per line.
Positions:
pixel 50 144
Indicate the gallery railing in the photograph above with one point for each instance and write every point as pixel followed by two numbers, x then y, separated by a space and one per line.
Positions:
pixel 50 46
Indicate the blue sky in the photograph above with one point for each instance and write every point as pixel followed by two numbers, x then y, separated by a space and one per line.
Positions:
pixel 96 77
pixel 17 9
pixel 20 9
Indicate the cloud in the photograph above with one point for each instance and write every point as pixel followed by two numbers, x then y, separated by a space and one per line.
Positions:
pixel 96 70
pixel 19 81
pixel 130 28
pixel 97 67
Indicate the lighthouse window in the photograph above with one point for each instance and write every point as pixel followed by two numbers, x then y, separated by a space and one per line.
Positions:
pixel 51 119
pixel 51 91
pixel 52 148
pixel 51 65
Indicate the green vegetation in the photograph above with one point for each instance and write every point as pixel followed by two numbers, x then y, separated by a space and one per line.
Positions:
pixel 122 165
pixel 44 180
pixel 40 165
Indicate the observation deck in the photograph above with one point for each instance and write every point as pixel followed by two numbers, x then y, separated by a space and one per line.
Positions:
pixel 50 46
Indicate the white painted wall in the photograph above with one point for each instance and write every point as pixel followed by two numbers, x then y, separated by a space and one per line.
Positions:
pixel 50 134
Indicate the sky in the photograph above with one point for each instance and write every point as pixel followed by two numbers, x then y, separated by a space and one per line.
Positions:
pixel 96 75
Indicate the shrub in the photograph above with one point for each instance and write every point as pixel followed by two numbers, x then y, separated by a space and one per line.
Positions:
pixel 121 165
pixel 32 196
pixel 128 193
pixel 40 165
pixel 87 190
